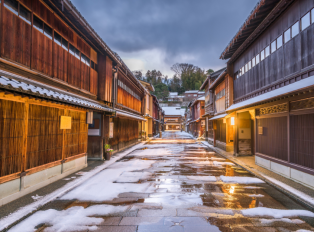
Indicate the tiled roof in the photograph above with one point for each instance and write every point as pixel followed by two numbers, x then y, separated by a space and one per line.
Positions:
pixel 48 92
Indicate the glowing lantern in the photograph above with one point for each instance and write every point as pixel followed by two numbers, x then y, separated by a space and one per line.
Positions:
pixel 232 121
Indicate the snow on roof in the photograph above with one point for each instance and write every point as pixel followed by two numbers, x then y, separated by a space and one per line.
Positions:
pixel 218 116
pixel 173 93
pixel 201 98
pixel 191 91
pixel 302 84
pixel 172 110
pixel 182 111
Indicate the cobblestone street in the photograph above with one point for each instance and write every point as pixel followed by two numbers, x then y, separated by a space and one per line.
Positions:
pixel 171 184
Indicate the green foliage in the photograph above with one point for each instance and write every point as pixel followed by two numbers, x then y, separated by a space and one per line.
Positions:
pixel 161 91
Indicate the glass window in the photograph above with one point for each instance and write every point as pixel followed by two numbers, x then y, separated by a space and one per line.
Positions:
pixel 262 55
pixel 287 35
pixel 246 68
pixel 57 38
pixel 65 44
pixel 25 14
pixel 295 29
pixel 279 42
pixel 242 72
pixel 38 24
pixel 85 59
pixel 12 5
pixel 48 31
pixel 77 53
pixel 253 62
pixel 266 51
pixel 312 13
pixel 72 50
pixel 249 65
pixel 305 21
pixel 257 59
pixel 273 46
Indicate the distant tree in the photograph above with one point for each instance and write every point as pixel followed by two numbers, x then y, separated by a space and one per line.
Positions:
pixel 161 91
pixel 209 71
pixel 138 74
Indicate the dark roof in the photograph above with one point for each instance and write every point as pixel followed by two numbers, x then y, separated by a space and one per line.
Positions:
pixel 218 79
pixel 216 74
pixel 258 14
pixel 12 82
pixel 204 83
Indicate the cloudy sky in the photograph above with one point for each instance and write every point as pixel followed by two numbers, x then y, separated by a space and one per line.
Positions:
pixel 155 34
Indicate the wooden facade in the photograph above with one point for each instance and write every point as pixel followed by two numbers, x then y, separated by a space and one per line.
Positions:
pixel 272 72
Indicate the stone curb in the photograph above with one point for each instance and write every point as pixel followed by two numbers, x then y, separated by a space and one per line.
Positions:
pixel 302 201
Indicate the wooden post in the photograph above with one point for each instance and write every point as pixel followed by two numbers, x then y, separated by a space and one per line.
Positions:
pixel 288 131
pixel 235 134
pixel 24 152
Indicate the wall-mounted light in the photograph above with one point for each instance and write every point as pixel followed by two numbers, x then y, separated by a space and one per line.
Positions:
pixel 224 120
pixel 232 121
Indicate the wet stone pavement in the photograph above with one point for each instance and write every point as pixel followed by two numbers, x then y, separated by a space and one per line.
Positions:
pixel 172 184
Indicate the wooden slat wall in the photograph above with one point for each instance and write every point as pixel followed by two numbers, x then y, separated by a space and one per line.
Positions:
pixel 46 56
pixel 302 140
pixel 60 61
pixel 16 38
pixel 76 138
pixel 105 78
pixel 291 58
pixel 273 142
pixel 74 75
pixel 44 140
pixel 93 81
pixel 125 133
pixel 221 131
pixel 11 136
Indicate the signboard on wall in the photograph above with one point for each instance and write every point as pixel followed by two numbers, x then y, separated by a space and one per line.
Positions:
pixel 65 122
pixel 111 130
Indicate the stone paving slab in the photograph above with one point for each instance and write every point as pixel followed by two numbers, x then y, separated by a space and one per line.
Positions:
pixel 158 228
pixel 116 229
pixel 157 213
pixel 111 221
pixel 142 221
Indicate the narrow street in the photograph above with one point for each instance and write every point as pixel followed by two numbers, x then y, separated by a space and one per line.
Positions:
pixel 171 184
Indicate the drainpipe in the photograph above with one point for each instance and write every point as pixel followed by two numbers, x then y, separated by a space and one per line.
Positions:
pixel 114 86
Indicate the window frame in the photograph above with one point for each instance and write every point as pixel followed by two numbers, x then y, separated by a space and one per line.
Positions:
pixel 296 23
pixel 271 46
pixel 301 27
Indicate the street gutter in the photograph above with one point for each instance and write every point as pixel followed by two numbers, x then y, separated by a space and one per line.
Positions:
pixel 297 195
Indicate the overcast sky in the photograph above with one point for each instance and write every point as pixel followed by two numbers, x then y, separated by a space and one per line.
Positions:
pixel 155 34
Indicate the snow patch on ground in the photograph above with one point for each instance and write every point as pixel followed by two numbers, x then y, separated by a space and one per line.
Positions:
pixel 275 213
pixel 73 219
pixel 10 219
pixel 35 198
pixel 255 195
pixel 216 163
pixel 101 186
pixel 241 180
pixel 286 220
pixel 203 178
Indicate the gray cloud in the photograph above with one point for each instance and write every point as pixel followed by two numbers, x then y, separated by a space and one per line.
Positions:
pixel 199 29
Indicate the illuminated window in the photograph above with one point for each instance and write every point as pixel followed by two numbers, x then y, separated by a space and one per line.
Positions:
pixel 257 59
pixel 253 62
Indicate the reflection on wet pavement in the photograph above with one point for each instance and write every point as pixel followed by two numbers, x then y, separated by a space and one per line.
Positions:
pixel 188 193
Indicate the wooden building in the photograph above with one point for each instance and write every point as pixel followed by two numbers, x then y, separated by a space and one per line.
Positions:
pixel 218 97
pixel 173 118
pixel 271 61
pixel 61 87
pixel 196 124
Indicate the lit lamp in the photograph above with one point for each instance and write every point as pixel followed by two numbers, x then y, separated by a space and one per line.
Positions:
pixel 232 121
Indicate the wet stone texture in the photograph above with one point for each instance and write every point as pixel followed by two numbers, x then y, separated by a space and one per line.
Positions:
pixel 187 192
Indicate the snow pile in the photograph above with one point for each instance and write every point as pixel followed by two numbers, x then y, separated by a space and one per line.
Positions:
pixel 151 152
pixel 255 195
pixel 35 198
pixel 203 178
pixel 72 219
pixel 133 177
pixel 101 187
pixel 275 213
pixel 241 180
pixel 286 220
pixel 216 163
